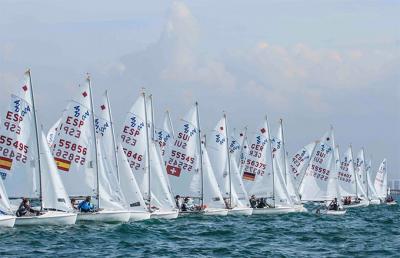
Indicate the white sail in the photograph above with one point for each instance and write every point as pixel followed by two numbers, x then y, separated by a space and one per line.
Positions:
pixel 129 187
pixel 381 181
pixel 371 188
pixel 212 197
pixel 359 168
pixel 18 149
pixel 333 184
pixel 257 171
pixel 314 185
pixel 4 201
pixel 346 175
pixel 217 148
pixel 54 195
pixel 182 158
pixel 161 195
pixel 299 163
pixel 51 134
pixel 165 135
pixel 108 166
pixel 293 192
pixel 134 142
pixel 281 192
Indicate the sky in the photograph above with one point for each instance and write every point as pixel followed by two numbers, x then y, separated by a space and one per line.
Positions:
pixel 311 63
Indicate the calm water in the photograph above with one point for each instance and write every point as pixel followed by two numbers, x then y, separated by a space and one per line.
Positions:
pixel 365 232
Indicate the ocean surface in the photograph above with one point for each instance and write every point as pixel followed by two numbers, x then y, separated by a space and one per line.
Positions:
pixel 373 231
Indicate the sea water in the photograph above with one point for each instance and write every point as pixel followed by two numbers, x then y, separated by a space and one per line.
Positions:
pixel 372 231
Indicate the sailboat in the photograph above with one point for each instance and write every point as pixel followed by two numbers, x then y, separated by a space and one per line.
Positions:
pixel 348 181
pixel 7 219
pixel 261 179
pixel 380 183
pixel 81 163
pixel 145 160
pixel 359 170
pixel 122 182
pixel 284 177
pixel 372 195
pixel 189 170
pixel 31 170
pixel 320 180
pixel 226 170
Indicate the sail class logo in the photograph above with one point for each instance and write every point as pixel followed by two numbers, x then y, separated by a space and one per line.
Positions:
pixel 173 171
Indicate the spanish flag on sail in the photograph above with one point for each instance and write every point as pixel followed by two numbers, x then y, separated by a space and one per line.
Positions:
pixel 63 164
pixel 5 163
pixel 248 176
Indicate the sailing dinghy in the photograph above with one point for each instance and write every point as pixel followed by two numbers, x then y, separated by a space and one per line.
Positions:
pixel 81 161
pixel 122 182
pixel 261 179
pixel 31 171
pixel 221 153
pixel 190 172
pixel 319 183
pixel 145 161
pixel 380 184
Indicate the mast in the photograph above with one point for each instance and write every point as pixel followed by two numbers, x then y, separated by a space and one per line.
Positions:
pixel 170 123
pixel 229 160
pixel 354 171
pixel 148 146
pixel 201 153
pixel 272 162
pixel 284 149
pixel 113 135
pixel 152 117
pixel 95 142
pixel 37 140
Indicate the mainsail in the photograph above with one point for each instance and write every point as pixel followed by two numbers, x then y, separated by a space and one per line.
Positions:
pixel 165 135
pixel 317 177
pixel 359 168
pixel 299 163
pixel 381 181
pixel 346 175
pixel 371 189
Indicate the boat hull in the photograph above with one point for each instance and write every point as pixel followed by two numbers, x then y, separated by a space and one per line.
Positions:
pixel 215 212
pixel 391 203
pixel 357 205
pixel 164 214
pixel 7 221
pixel 271 211
pixel 139 215
pixel 335 213
pixel 300 208
pixel 105 216
pixel 48 218
pixel 375 202
pixel 240 211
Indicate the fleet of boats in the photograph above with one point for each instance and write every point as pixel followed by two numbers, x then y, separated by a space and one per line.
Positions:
pixel 148 172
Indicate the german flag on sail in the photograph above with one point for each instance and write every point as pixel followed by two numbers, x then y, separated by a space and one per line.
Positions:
pixel 249 176
pixel 63 164
pixel 5 163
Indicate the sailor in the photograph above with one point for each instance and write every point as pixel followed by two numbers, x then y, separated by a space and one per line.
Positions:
pixel 86 206
pixel 25 209
pixel 333 205
pixel 73 203
pixel 185 204
pixel 178 201
pixel 261 203
pixel 253 201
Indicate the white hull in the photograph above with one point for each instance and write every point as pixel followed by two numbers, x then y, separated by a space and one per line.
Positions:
pixel 7 221
pixel 276 210
pixel 240 211
pixel 164 214
pixel 363 203
pixel 336 213
pixel 391 203
pixel 375 202
pixel 139 215
pixel 105 216
pixel 215 212
pixel 48 218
